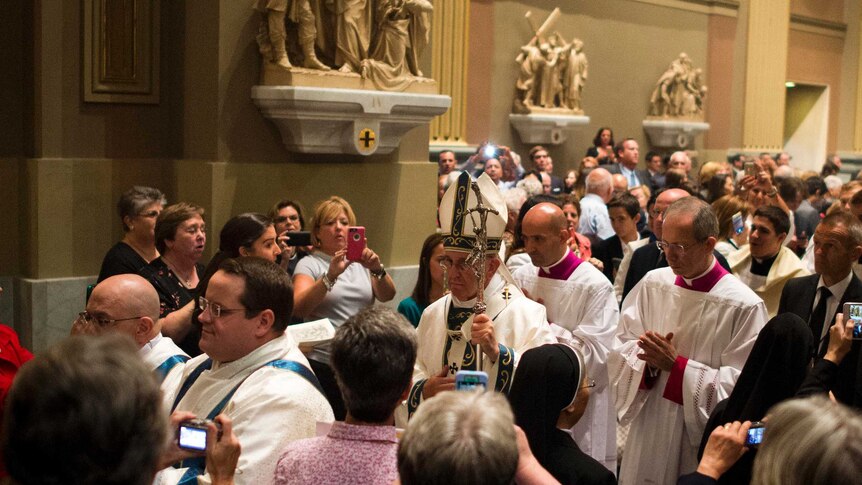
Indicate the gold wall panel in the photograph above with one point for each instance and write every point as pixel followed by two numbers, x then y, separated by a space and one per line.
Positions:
pixel 449 44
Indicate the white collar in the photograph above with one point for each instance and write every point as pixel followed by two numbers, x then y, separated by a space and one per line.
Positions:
pixel 149 346
pixel 547 269
pixel 689 281
pixel 839 288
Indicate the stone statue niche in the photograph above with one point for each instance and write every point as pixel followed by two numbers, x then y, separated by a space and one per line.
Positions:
pixel 353 44
pixel 679 92
pixel 552 73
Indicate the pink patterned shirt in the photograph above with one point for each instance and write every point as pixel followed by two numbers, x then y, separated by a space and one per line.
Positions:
pixel 348 454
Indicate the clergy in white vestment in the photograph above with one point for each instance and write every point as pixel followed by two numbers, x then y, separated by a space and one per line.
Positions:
pixel 252 371
pixel 685 332
pixel 449 331
pixel 128 304
pixel 583 312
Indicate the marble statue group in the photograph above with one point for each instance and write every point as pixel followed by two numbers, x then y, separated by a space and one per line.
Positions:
pixel 552 72
pixel 380 40
pixel 679 91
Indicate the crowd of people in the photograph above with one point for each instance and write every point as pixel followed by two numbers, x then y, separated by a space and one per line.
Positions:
pixel 631 325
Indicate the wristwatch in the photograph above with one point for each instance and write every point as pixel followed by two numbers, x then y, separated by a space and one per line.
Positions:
pixel 379 274
pixel 327 283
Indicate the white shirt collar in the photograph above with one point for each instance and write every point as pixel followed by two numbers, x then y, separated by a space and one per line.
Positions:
pixel 149 346
pixel 689 281
pixel 547 269
pixel 839 288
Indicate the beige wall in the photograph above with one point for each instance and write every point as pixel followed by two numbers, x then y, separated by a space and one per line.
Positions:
pixel 816 59
pixel 628 44
pixel 720 68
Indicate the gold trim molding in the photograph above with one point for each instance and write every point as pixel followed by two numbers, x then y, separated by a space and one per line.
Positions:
pixel 726 8
pixel 813 25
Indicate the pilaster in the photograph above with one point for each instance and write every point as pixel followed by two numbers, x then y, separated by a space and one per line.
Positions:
pixel 449 48
pixel 766 68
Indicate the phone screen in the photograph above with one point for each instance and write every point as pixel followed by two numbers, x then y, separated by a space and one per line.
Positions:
pixel 468 380
pixel 738 223
pixel 192 438
pixel 853 311
pixel 755 436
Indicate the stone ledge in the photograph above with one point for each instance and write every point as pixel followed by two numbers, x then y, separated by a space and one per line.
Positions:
pixel 546 128
pixel 345 121
pixel 673 133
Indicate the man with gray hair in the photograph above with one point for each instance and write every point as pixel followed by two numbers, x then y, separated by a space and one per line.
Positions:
pixel 681 161
pixel 685 332
pixel 467 437
pixel 595 222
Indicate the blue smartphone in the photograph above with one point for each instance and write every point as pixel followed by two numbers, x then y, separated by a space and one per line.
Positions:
pixel 467 380
pixel 755 434
pixel 738 223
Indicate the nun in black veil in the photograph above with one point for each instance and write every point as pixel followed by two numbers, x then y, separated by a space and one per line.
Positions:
pixel 549 394
pixel 773 372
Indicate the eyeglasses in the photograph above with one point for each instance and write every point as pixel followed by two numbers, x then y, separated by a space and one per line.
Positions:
pixel 87 318
pixel 447 263
pixel 590 383
pixel 215 309
pixel 665 246
pixel 149 214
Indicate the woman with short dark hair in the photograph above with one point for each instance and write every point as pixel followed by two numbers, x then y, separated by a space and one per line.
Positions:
pixel 138 207
pixel 180 238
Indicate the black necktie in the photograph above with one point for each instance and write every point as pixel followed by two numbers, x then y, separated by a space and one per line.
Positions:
pixel 818 316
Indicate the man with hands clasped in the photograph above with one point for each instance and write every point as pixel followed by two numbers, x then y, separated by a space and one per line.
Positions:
pixel 683 338
pixel 448 330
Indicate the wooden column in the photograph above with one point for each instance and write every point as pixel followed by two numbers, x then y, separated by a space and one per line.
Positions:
pixel 449 43
pixel 765 75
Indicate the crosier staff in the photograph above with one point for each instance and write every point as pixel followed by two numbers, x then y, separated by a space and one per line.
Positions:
pixel 477 258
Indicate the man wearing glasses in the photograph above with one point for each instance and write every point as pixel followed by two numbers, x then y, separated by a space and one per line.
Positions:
pixel 647 258
pixel 684 335
pixel 251 370
pixel 129 304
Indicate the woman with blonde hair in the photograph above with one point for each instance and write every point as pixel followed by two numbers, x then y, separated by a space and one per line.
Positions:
pixel 326 283
pixel 731 238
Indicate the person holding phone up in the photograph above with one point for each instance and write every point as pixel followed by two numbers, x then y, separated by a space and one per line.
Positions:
pixel 327 284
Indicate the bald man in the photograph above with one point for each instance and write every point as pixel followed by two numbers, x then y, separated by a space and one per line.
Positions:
pixel 583 312
pixel 595 221
pixel 129 304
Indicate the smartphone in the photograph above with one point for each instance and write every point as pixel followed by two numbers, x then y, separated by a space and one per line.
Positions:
pixel 467 380
pixel 853 311
pixel 750 169
pixel 755 434
pixel 192 435
pixel 355 242
pixel 738 223
pixel 298 238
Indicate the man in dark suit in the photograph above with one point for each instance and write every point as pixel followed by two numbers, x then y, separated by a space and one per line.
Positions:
pixel 542 162
pixel 624 211
pixel 627 156
pixel 817 298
